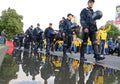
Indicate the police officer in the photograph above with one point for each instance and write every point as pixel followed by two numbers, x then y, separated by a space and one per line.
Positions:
pixel 67 33
pixel 29 33
pixel 28 37
pixel 61 23
pixel 49 37
pixel 38 37
pixel 89 30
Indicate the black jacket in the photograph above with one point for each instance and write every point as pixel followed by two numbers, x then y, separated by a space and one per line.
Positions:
pixel 37 31
pixel 66 25
pixel 29 32
pixel 48 32
pixel 86 19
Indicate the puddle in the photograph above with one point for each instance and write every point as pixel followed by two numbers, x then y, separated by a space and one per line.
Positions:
pixel 48 69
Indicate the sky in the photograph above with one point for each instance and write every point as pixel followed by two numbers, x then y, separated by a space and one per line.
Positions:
pixel 23 79
pixel 51 11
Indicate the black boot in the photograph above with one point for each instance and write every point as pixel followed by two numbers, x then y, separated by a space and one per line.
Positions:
pixel 96 52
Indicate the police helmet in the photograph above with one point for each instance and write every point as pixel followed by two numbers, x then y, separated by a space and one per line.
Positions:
pixel 97 15
pixel 70 14
pixel 91 1
pixel 38 24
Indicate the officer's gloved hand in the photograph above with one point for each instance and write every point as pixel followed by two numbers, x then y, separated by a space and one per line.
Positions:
pixel 86 30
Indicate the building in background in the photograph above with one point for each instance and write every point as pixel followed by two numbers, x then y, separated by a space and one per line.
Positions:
pixel 117 18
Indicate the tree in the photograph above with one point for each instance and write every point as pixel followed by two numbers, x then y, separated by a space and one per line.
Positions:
pixel 114 32
pixel 11 21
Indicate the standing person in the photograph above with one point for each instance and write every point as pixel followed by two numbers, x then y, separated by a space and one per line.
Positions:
pixel 29 33
pixel 49 32
pixel 29 37
pixel 3 35
pixel 61 23
pixel 67 33
pixel 89 30
pixel 37 32
pixel 103 36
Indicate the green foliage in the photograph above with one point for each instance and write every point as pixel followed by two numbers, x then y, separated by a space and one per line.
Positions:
pixel 11 21
pixel 8 70
pixel 114 32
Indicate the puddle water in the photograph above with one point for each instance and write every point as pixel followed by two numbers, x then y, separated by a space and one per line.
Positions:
pixel 48 69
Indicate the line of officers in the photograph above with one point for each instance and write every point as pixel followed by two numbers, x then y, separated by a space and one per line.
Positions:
pixel 89 28
pixel 35 37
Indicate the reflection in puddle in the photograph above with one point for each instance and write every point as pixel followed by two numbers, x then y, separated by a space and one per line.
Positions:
pixel 48 69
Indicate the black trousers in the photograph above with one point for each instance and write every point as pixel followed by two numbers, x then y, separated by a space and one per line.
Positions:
pixel 67 42
pixel 49 45
pixel 38 42
pixel 92 36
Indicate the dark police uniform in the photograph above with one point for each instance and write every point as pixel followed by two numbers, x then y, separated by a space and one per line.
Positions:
pixel 68 35
pixel 28 37
pixel 48 34
pixel 37 34
pixel 61 24
pixel 87 22
pixel 29 33
pixel 38 37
